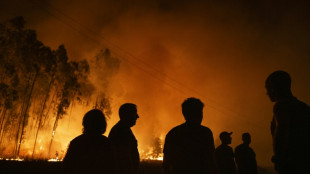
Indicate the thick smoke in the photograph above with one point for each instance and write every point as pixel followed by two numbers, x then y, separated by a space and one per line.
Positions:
pixel 220 52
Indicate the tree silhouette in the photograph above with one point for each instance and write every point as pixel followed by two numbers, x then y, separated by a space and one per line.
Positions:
pixel 38 85
pixel 33 75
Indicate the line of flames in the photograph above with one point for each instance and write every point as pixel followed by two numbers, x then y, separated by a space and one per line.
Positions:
pixel 150 157
pixel 59 160
pixel 145 156
pixel 21 159
pixel 154 158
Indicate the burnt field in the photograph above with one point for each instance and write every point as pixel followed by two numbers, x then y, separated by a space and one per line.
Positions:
pixel 40 167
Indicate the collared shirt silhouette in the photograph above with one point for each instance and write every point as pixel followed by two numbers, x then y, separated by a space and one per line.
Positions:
pixel 124 140
pixel 91 152
pixel 189 147
pixel 245 156
pixel 225 155
pixel 290 126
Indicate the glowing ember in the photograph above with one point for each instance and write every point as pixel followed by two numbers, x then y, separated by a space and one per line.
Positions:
pixel 160 158
pixel 152 156
pixel 19 159
pixel 12 159
pixel 54 160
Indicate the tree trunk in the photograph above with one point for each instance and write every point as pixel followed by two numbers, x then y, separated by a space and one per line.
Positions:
pixel 41 115
pixel 26 111
pixel 72 105
pixel 20 119
pixel 2 125
pixel 49 107
pixel 53 134
pixel 54 127
pixel 1 110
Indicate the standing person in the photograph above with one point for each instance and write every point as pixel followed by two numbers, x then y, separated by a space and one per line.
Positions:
pixel 290 126
pixel 245 156
pixel 124 140
pixel 189 147
pixel 225 155
pixel 91 152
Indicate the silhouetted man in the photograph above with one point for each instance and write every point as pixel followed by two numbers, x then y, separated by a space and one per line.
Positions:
pixel 245 156
pixel 225 155
pixel 124 140
pixel 290 126
pixel 91 152
pixel 189 147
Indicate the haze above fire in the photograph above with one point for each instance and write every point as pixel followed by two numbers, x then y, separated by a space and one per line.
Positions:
pixel 171 50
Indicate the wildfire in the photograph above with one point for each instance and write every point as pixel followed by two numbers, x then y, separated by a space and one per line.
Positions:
pixel 154 152
pixel 12 159
pixel 149 156
pixel 19 159
pixel 159 158
pixel 152 155
pixel 54 160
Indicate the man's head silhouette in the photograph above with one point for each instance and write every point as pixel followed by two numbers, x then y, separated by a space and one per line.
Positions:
pixel 192 111
pixel 225 137
pixel 128 114
pixel 278 85
pixel 246 138
pixel 94 122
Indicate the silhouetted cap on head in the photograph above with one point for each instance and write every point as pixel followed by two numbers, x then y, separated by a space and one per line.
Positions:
pixel 94 122
pixel 279 80
pixel 225 134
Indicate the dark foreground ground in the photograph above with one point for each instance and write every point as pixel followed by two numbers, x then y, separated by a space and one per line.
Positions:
pixel 44 167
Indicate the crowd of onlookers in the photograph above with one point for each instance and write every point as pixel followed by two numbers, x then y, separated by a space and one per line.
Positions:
pixel 189 147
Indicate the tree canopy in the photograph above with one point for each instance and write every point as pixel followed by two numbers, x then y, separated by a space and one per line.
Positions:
pixel 32 75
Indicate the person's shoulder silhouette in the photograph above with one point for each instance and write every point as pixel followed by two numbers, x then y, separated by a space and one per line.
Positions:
pixel 91 152
pixel 189 147
pixel 245 156
pixel 225 155
pixel 124 140
pixel 290 126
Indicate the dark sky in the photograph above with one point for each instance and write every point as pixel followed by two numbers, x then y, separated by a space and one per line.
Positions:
pixel 220 52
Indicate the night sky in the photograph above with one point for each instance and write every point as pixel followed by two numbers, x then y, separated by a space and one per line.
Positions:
pixel 220 52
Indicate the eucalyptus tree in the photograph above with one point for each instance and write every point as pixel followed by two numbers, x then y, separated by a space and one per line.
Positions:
pixel 72 82
pixel 36 59
pixel 35 77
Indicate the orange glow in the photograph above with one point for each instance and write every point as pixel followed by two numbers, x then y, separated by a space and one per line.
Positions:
pixel 12 159
pixel 54 160
pixel 170 50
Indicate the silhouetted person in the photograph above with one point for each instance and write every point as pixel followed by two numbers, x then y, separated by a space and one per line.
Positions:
pixel 245 156
pixel 290 126
pixel 189 147
pixel 124 140
pixel 91 152
pixel 225 155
